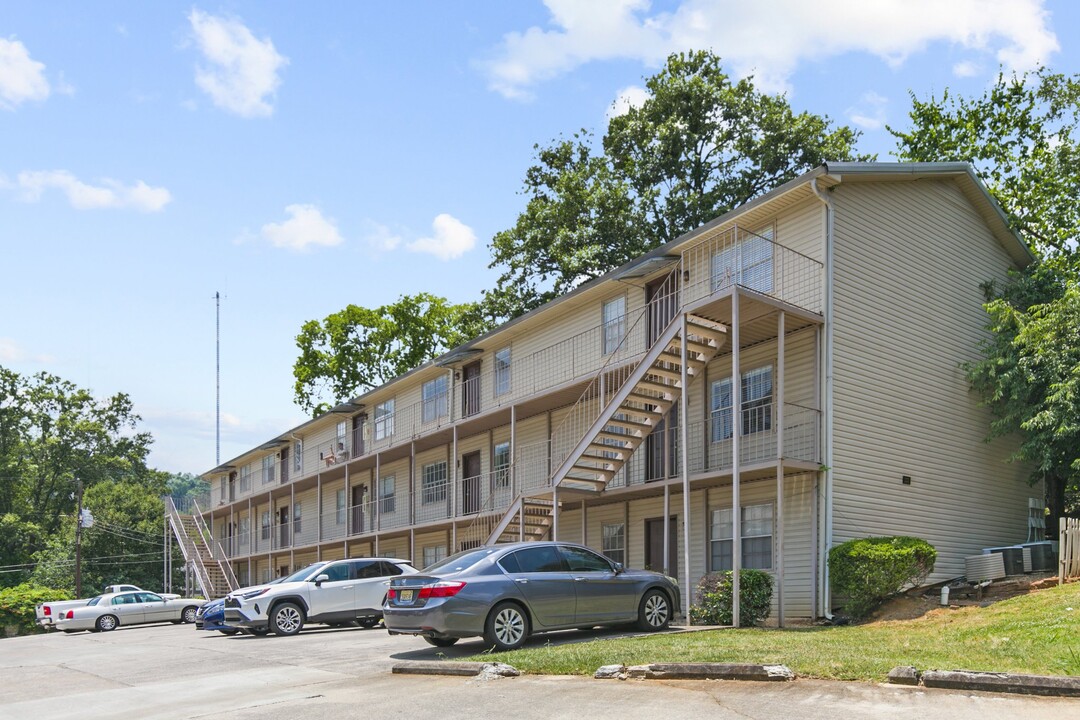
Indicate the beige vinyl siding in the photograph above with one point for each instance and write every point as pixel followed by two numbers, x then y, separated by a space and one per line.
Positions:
pixel 802 228
pixel 909 260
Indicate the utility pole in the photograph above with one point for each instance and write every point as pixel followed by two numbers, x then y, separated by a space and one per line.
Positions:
pixel 78 541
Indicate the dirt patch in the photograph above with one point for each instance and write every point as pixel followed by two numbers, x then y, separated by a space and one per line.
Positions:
pixel 921 601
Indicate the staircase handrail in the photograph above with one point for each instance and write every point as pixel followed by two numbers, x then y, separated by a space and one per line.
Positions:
pixel 188 549
pixel 221 560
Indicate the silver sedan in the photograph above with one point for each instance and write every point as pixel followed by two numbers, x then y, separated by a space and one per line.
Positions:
pixel 109 611
pixel 505 593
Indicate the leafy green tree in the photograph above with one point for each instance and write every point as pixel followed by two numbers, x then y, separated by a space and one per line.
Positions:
pixel 359 348
pixel 700 145
pixel 1030 378
pixel 1021 136
pixel 19 540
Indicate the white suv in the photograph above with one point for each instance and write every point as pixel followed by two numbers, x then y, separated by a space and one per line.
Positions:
pixel 336 592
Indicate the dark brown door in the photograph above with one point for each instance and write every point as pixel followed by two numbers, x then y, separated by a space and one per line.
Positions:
pixel 662 297
pixel 654 546
pixel 662 447
pixel 471 499
pixel 284 465
pixel 283 524
pixel 232 486
pixel 358 434
pixel 358 494
pixel 470 389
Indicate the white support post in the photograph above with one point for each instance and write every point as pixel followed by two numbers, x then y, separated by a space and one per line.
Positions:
pixel 736 431
pixel 684 408
pixel 779 425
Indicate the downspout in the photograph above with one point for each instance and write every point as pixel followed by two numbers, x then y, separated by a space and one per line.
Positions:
pixel 826 415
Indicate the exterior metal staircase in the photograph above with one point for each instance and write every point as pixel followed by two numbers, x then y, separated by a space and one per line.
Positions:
pixel 213 574
pixel 611 420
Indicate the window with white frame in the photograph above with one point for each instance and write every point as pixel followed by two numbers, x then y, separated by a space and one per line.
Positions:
pixel 342 429
pixel 339 507
pixel 384 419
pixel 433 482
pixel 757 398
pixel 613 538
pixel 245 478
pixel 748 262
pixel 501 464
pixel 433 554
pixel 386 494
pixel 756 531
pixel 298 456
pixel 435 394
pixel 614 323
pixel 297 516
pixel 269 468
pixel 502 371
pixel 264 525
pixel 245 530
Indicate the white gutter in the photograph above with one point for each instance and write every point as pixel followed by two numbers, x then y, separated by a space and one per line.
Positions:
pixel 826 415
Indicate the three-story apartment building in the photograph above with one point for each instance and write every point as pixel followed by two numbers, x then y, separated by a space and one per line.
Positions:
pixel 779 380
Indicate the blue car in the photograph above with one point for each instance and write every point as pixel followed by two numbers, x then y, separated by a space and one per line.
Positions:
pixel 211 616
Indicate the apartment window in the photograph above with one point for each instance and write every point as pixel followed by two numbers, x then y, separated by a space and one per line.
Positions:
pixel 756 404
pixel 502 371
pixel 386 494
pixel 756 531
pixel 223 492
pixel 264 525
pixel 433 482
pixel 245 478
pixel 384 419
pixel 614 323
pixel 749 262
pixel 297 516
pixel 269 466
pixel 433 554
pixel 245 529
pixel 435 399
pixel 264 576
pixel 339 506
pixel 501 464
pixel 614 541
pixel 298 456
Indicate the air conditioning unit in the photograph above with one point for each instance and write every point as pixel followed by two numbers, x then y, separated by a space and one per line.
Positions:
pixel 990 566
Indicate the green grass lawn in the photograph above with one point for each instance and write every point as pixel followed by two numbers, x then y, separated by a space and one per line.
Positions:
pixel 1038 633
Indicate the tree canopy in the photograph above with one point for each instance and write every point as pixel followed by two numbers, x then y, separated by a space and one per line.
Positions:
pixel 700 145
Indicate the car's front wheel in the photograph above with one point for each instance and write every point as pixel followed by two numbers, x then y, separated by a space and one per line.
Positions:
pixel 654 613
pixel 286 619
pixel 230 631
pixel 507 627
pixel 189 613
pixel 441 642
pixel 105 623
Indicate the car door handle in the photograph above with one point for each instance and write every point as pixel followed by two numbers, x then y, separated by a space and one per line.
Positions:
pixel 521 581
pixel 580 579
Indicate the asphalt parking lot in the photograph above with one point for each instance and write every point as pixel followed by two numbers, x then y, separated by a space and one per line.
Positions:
pixel 174 671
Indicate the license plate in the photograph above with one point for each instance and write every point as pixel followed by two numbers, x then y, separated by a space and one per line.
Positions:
pixel 407 596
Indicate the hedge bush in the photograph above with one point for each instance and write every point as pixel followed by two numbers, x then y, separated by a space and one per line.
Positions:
pixel 17 606
pixel 870 570
pixel 714 593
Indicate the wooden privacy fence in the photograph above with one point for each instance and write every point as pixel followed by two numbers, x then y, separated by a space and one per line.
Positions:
pixel 1069 549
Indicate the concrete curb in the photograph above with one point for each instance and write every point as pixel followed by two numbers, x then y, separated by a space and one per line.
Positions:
pixel 697 671
pixel 1050 685
pixel 450 667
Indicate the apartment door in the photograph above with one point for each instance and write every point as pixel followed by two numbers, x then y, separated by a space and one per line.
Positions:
pixel 284 465
pixel 359 494
pixel 283 525
pixel 358 434
pixel 662 297
pixel 470 485
pixel 662 447
pixel 654 546
pixel 232 486
pixel 470 389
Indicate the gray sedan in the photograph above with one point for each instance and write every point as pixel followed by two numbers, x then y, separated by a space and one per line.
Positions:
pixel 109 611
pixel 507 592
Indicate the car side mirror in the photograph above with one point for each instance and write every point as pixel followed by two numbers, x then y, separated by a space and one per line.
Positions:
pixel 619 568
pixel 319 580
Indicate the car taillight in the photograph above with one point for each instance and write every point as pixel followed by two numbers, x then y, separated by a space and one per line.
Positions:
pixel 391 594
pixel 48 610
pixel 441 589
pixel 70 614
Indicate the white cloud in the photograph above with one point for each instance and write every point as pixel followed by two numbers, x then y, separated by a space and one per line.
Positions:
pixel 241 74
pixel 21 77
pixel 11 352
pixel 870 113
pixel 381 238
pixel 768 40
pixel 83 196
pixel 966 69
pixel 305 227
pixel 452 239
pixel 627 98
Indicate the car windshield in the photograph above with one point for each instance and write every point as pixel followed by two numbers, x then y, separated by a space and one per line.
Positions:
pixel 304 573
pixel 460 561
pixel 94 600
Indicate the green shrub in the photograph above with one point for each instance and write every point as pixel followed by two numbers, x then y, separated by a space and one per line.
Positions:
pixel 870 570
pixel 17 606
pixel 714 598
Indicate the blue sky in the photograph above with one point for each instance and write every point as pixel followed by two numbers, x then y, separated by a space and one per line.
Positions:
pixel 299 157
